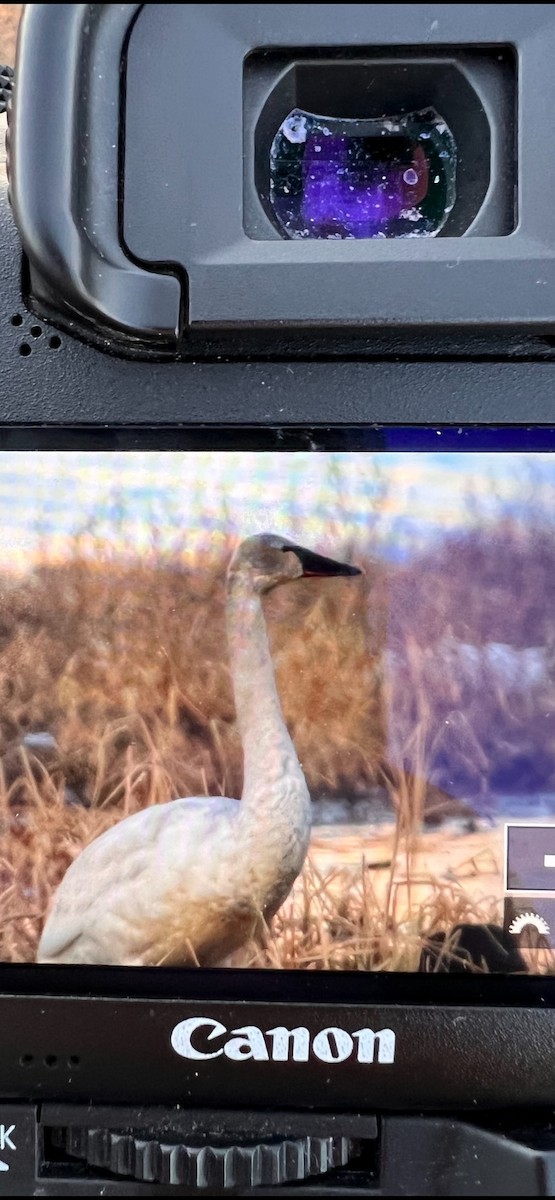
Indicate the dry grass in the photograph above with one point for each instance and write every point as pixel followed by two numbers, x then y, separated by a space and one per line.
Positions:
pixel 366 900
pixel 9 20
pixel 384 903
pixel 125 664
pixel 363 918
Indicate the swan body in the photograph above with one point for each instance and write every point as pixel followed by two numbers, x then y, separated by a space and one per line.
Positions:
pixel 191 881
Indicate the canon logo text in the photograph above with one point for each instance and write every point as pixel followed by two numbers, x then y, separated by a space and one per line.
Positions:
pixel 203 1038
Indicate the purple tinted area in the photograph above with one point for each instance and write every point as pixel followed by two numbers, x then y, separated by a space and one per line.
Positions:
pixel 358 198
pixel 362 179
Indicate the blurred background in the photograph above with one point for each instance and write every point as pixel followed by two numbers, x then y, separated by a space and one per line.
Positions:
pixel 9 21
pixel 440 662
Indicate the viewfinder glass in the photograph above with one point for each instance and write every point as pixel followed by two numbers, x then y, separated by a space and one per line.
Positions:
pixel 389 178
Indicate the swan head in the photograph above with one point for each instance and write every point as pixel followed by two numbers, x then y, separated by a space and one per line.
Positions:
pixel 267 560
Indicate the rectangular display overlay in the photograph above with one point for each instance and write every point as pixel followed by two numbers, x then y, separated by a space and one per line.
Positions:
pixel 290 710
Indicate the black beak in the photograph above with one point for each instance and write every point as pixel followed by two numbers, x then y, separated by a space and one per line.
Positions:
pixel 318 565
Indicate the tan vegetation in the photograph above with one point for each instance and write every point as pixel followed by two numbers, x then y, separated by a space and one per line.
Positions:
pixel 124 663
pixel 9 20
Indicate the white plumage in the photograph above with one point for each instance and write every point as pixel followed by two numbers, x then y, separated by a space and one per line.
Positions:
pixel 191 881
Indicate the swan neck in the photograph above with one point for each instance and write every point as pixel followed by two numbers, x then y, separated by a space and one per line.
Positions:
pixel 254 686
pixel 275 814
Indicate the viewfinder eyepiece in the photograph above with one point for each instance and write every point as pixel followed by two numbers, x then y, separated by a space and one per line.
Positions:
pixel 391 177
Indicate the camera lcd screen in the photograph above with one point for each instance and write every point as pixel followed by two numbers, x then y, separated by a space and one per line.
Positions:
pixel 283 709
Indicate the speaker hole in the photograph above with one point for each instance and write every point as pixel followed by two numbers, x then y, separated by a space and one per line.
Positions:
pixel 25 349
pixel 36 331
pixel 50 1060
pixel 55 342
pixel 26 1060
pixel 17 319
pixel 74 1060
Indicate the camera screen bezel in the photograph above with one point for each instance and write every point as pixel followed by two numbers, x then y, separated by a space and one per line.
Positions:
pixel 462 1040
pixel 375 438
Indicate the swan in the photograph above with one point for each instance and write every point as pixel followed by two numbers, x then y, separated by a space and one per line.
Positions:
pixel 190 882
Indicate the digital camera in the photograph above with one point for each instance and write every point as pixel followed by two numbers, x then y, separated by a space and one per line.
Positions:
pixel 277 601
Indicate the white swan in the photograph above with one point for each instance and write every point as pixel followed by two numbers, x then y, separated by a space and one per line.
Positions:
pixel 191 881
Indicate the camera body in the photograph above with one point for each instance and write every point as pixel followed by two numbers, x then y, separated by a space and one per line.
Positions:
pixel 379 340
pixel 152 301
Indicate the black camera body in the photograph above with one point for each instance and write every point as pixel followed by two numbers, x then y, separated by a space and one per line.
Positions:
pixel 151 301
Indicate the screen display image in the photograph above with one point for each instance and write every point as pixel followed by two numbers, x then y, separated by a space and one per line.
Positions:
pixel 285 710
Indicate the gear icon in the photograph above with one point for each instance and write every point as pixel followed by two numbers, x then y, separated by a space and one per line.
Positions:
pixel 529 918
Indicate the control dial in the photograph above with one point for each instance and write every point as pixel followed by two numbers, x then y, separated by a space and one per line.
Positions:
pixel 199 1163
